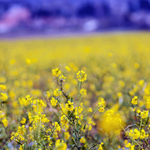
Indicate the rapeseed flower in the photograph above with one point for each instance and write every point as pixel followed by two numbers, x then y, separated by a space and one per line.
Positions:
pixel 134 100
pixel 148 103
pixel 23 121
pixel 143 134
pixel 64 120
pixel 83 92
pixel 135 134
pixel 62 78
pixel 67 68
pixel 2 87
pixel 100 146
pixel 57 127
pixel 48 94
pixel 101 109
pixel 90 109
pixel 66 135
pixel 144 114
pixel 69 106
pixel 2 114
pixel 5 122
pixel 81 76
pixel 60 145
pixel 101 105
pixel 56 72
pixel 28 97
pixel 57 92
pixel 53 102
pixel 4 96
pixel 82 140
pixel 111 118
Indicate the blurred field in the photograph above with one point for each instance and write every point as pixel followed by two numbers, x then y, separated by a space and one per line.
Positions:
pixel 117 67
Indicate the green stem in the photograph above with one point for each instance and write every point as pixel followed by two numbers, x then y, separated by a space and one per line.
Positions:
pixel 79 84
pixel 140 130
pixel 94 111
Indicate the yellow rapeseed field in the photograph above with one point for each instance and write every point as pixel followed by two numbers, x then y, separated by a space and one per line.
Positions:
pixel 75 93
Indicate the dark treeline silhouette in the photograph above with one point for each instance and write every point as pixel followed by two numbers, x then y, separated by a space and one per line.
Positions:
pixel 80 9
pixel 87 15
pixel 87 10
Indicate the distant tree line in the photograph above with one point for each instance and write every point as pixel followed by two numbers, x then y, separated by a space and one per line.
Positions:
pixel 97 8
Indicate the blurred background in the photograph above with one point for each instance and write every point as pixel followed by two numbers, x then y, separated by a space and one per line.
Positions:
pixel 33 17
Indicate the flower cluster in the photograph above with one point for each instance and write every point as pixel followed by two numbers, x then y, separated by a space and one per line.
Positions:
pixel 81 76
pixel 62 108
pixel 67 127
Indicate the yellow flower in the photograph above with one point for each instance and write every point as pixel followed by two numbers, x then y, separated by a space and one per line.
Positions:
pixel 62 78
pixel 21 129
pixel 5 122
pixel 66 135
pixel 48 94
pixel 143 135
pixel 132 147
pixel 148 103
pixel 121 83
pixel 23 121
pixel 88 127
pixel 60 145
pixel 2 87
pixel 21 147
pixel 101 105
pixel 135 134
pixel 111 121
pixel 136 65
pixel 101 102
pixel 139 111
pixel 57 127
pixel 134 100
pixel 119 94
pixel 131 92
pixel 67 68
pixel 12 95
pixel 64 120
pixel 53 102
pixel 128 145
pixel 28 61
pixel 90 121
pixel 55 135
pixel 48 130
pixel 81 76
pixel 69 106
pixel 83 92
pixel 100 146
pixel 144 114
pixel 101 109
pixel 44 119
pixel 4 96
pixel 57 92
pixel 82 140
pixel 141 82
pixel 28 97
pixel 2 114
pixel 90 109
pixel 56 72
pixel 134 109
